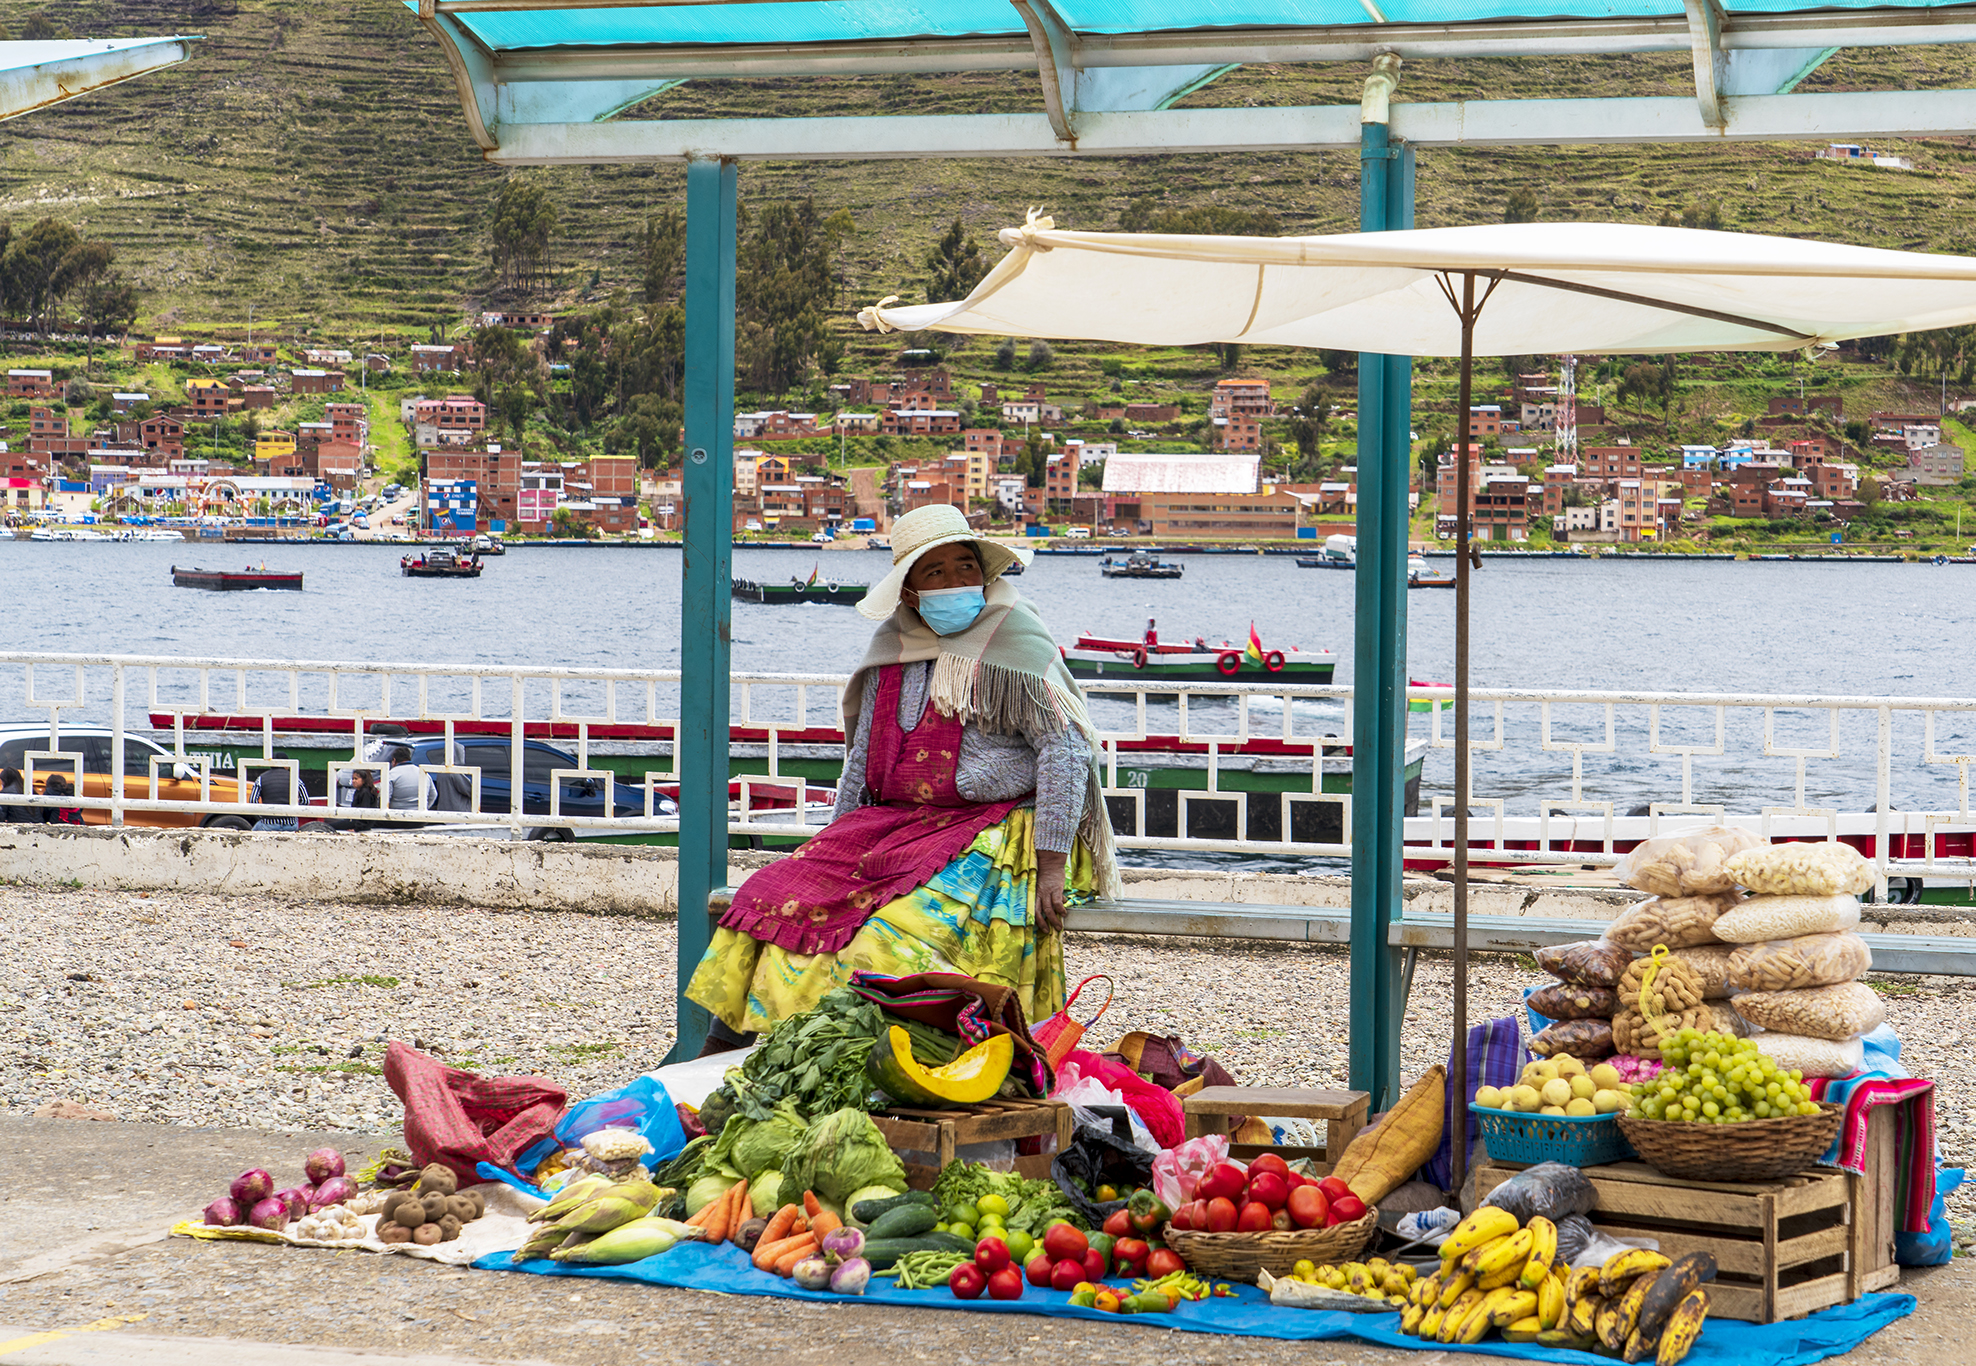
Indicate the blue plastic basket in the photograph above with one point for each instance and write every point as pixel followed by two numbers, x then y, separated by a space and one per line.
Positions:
pixel 1576 1141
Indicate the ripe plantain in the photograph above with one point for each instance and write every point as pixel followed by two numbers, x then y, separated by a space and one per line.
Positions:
pixel 1684 1325
pixel 1629 1306
pixel 1620 1269
pixel 1484 1226
pixel 1523 1330
pixel 1670 1287
pixel 1427 1290
pixel 1606 1326
pixel 1493 1256
pixel 1430 1326
pixel 1510 1303
pixel 1457 1316
pixel 1584 1317
pixel 1566 1339
pixel 1638 1348
pixel 1579 1283
pixel 1454 1289
pixel 1543 1250
pixel 1411 1318
pixel 1550 1302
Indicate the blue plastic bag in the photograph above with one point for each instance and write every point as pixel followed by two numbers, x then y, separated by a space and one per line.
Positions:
pixel 1936 1246
pixel 643 1105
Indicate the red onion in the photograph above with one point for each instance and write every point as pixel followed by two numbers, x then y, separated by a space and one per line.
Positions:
pixel 251 1186
pixel 223 1212
pixel 269 1213
pixel 295 1199
pixel 322 1164
pixel 338 1190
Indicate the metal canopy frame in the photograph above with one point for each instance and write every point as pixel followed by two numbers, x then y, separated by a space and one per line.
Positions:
pixel 34 75
pixel 556 98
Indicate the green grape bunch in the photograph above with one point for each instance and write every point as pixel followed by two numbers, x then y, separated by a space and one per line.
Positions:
pixel 1710 1078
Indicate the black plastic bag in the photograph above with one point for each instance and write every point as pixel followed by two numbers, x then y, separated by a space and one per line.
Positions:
pixel 1098 1157
pixel 1551 1189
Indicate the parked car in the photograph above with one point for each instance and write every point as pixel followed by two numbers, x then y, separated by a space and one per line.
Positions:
pixel 177 781
pixel 580 796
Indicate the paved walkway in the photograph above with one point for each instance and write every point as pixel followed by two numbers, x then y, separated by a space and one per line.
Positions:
pixel 88 1277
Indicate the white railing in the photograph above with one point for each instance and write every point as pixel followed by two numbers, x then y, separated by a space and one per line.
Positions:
pixel 1231 768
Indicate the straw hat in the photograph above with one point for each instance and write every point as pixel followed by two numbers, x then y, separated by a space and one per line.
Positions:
pixel 925 529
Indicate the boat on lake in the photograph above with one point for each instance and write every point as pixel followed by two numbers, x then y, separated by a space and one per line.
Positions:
pixel 813 589
pixel 1140 564
pixel 1420 575
pixel 484 544
pixel 235 580
pixel 1196 661
pixel 440 562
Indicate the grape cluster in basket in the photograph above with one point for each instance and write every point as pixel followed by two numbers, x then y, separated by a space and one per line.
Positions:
pixel 1720 1079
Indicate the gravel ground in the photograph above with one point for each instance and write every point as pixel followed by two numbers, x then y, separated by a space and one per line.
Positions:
pixel 252 1012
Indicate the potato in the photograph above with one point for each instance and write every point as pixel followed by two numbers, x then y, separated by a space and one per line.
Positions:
pixel 449 1229
pixel 425 1235
pixel 461 1208
pixel 390 1232
pixel 434 1205
pixel 437 1177
pixel 409 1214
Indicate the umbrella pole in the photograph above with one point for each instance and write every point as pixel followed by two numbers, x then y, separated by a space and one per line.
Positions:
pixel 1458 1145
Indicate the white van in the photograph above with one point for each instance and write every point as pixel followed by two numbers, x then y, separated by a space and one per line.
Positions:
pixel 1077 533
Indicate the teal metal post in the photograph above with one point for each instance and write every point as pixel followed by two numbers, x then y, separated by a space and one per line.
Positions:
pixel 706 614
pixel 1385 453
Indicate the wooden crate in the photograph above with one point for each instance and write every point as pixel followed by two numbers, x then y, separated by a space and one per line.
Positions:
pixel 1871 1265
pixel 1210 1109
pixel 909 1129
pixel 1783 1249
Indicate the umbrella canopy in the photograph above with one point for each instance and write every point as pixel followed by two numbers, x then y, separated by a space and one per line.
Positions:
pixel 1563 287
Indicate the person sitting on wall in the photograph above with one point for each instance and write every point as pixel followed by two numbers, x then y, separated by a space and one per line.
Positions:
pixel 58 785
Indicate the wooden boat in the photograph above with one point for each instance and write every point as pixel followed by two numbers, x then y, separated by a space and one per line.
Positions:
pixel 797 590
pixel 1139 564
pixel 1195 661
pixel 235 580
pixel 440 562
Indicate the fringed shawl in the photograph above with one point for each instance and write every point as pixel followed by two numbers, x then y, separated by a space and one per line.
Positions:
pixel 1005 674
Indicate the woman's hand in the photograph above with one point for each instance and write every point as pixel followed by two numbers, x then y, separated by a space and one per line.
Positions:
pixel 1049 890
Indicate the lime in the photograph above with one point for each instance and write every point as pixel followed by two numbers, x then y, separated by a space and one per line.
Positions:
pixel 992 1204
pixel 990 1221
pixel 969 1212
pixel 1020 1246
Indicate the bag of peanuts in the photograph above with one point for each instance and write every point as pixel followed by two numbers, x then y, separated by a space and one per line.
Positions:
pixel 1676 921
pixel 1659 985
pixel 1785 917
pixel 1824 868
pixel 1710 963
pixel 1634 1033
pixel 1580 1038
pixel 1812 960
pixel 1693 863
pixel 1837 1012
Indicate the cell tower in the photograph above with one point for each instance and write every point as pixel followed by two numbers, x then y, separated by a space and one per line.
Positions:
pixel 1566 438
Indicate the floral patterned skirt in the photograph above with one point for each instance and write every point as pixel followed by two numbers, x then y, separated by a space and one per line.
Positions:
pixel 976 916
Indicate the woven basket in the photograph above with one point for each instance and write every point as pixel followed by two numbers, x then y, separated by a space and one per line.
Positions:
pixel 1239 1256
pixel 1751 1150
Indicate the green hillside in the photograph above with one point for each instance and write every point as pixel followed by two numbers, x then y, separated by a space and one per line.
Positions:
pixel 312 162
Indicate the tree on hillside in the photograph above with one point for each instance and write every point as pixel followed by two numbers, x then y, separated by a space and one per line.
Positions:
pixel 523 221
pixel 955 264
pixel 1949 351
pixel 786 284
pixel 1521 207
pixel 663 251
pixel 39 28
pixel 1207 220
pixel 1307 421
pixel 1702 212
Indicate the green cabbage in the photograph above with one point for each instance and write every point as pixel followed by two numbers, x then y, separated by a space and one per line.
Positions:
pixel 765 1193
pixel 751 1147
pixel 705 1191
pixel 842 1153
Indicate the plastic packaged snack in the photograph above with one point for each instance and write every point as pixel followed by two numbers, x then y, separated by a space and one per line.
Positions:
pixel 1813 1057
pixel 1660 985
pixel 1812 960
pixel 1723 1019
pixel 1634 1033
pixel 1803 868
pixel 1786 917
pixel 1567 1002
pixel 1694 862
pixel 1836 1012
pixel 1550 1188
pixel 1587 963
pixel 1676 921
pixel 1710 963
pixel 1580 1038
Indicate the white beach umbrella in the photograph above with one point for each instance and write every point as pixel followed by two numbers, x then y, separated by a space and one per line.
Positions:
pixel 1498 290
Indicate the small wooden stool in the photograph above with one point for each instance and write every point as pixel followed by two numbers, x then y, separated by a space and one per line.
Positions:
pixel 1209 1109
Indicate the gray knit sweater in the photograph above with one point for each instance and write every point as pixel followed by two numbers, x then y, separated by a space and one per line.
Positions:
pixel 992 768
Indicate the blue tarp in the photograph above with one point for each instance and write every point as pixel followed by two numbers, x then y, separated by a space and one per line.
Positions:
pixel 727 1270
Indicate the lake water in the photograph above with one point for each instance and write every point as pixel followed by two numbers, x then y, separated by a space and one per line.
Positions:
pixel 1694 626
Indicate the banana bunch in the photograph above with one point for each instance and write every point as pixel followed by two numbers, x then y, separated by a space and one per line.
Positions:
pixel 1495 1274
pixel 1376 1279
pixel 1639 1305
pixel 596 1221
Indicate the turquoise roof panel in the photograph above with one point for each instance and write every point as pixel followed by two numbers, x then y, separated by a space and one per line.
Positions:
pixel 829 21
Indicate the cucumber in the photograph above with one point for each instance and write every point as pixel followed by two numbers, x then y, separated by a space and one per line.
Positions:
pixel 906 1221
pixel 883 1255
pixel 868 1210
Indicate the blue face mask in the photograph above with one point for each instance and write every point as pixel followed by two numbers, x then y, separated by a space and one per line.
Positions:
pixel 950 610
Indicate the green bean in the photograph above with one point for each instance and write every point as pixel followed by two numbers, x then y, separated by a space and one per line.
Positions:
pixel 928 1270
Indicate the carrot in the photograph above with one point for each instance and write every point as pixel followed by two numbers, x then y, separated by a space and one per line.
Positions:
pixel 780 1226
pixel 801 1225
pixel 811 1204
pixel 742 1211
pixel 785 1265
pixel 825 1223
pixel 723 1218
pixel 706 1212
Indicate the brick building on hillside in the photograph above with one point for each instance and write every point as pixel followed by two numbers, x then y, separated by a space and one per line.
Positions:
pixel 496 475
pixel 310 381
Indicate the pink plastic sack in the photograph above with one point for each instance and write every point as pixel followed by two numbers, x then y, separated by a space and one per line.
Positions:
pixel 1157 1106
pixel 1177 1170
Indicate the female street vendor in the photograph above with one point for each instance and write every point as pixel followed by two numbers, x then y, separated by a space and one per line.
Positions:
pixel 969 802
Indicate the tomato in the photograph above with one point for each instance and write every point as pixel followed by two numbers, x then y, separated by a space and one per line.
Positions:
pixel 967 1282
pixel 1269 1189
pixel 1038 1269
pixel 1096 1264
pixel 1067 1273
pixel 1269 1162
pixel 1065 1243
pixel 1308 1207
pixel 1132 1254
pixel 991 1255
pixel 1118 1224
pixel 1164 1261
pixel 1104 1195
pixel 1221 1215
pixel 1225 1181
pixel 1254 1218
pixel 1280 1221
pixel 1333 1188
pixel 1005 1284
pixel 1347 1207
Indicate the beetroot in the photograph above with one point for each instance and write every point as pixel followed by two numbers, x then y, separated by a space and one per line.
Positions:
pixel 295 1199
pixel 251 1186
pixel 338 1190
pixel 269 1213
pixel 322 1164
pixel 223 1212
